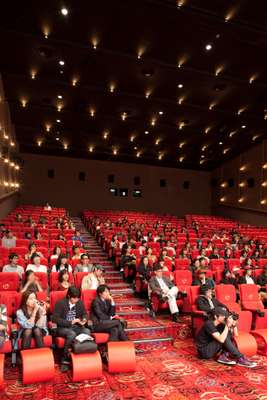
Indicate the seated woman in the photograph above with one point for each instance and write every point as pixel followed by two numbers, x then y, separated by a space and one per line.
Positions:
pixel 77 252
pixel 164 255
pixel 32 249
pixel 151 257
pixel 31 283
pixel 63 280
pixel 56 253
pixel 32 319
pixel 36 265
pixel 37 235
pixel 3 325
pixel 62 264
pixel 144 270
pixel 228 278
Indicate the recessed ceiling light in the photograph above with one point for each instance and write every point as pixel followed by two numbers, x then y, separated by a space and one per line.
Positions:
pixel 59 96
pixel 135 148
pixel 57 138
pixel 58 120
pixel 208 47
pixel 64 11
pixel 146 132
pixel 180 85
pixel 61 62
pixel 243 126
pixel 160 112
pixel 220 143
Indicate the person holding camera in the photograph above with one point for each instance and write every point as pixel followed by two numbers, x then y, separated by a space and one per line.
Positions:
pixel 31 316
pixel 215 338
pixel 71 319
pixel 103 315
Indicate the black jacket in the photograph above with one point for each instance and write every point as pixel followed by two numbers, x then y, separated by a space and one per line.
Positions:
pixel 229 281
pixel 242 280
pixel 145 272
pixel 262 280
pixel 101 310
pixel 61 310
pixel 204 305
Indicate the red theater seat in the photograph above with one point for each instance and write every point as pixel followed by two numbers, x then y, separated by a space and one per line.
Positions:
pixel 55 296
pixel 249 297
pixel 245 342
pixel 181 263
pixel 9 281
pixel 226 294
pixel 260 333
pixel 78 277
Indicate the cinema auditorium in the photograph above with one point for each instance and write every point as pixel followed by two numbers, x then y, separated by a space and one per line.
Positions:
pixel 133 200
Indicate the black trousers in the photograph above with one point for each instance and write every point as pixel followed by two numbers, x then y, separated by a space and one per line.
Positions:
pixel 70 334
pixel 29 334
pixel 210 350
pixel 114 328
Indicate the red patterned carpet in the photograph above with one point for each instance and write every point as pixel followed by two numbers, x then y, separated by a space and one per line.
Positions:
pixel 164 372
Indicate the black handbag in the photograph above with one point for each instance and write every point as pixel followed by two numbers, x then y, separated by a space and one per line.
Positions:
pixel 88 346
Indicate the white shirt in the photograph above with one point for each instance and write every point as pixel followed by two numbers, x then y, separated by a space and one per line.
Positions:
pixel 54 268
pixel 162 284
pixel 249 280
pixel 36 268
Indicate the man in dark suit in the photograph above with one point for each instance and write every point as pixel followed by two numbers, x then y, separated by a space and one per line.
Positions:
pixel 247 278
pixel 71 317
pixel 165 289
pixel 103 315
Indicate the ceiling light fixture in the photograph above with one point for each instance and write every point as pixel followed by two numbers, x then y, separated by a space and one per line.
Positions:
pixel 212 105
pixel 64 11
pixel 181 145
pixel 218 70
pixel 39 142
pixel 105 135
pixel 220 143
pixel 264 184
pixel 180 100
pixel 243 168
pixel 180 86
pixel 58 120
pixel 181 159
pixel 48 127
pixel 241 200
pixel 94 43
pixel 23 103
pixel 243 126
pixel 222 199
pixel 91 149
pixel 59 107
pixel 263 201
pixel 115 151
pixel 61 62
pixel 153 122
pixel 264 166
pixel 207 129
pixel 160 112
pixel 208 47
pixel 124 116
pixel 33 74
pixel 59 96
pixel 92 112
pixel 74 81
pixel 146 132
pixel 132 138
pixel 12 144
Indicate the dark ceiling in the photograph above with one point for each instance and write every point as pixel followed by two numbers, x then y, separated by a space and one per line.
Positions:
pixel 142 50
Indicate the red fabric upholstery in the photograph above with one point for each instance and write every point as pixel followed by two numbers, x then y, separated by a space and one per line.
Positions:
pixel 42 276
pixel 78 278
pixel 86 366
pixel 37 365
pixel 249 297
pixel 226 294
pixel 121 357
pixel 182 277
pixel 54 280
pixel 56 296
pixel 181 263
pixel 9 281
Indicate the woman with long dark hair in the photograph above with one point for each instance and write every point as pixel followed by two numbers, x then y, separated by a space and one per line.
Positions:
pixel 32 319
pixel 31 283
pixel 63 280
pixel 62 264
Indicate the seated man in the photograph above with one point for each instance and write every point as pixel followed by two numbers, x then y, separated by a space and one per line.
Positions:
pixel 71 317
pixel 94 279
pixel 165 289
pixel 206 301
pixel 86 265
pixel 202 280
pixel 103 315
pixel 247 278
pixel 215 337
pixel 13 265
pixel 8 240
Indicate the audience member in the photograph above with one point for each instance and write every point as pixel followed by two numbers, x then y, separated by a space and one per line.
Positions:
pixel 32 319
pixel 94 279
pixel 62 264
pixel 3 325
pixel 86 264
pixel 13 265
pixel 71 319
pixel 35 265
pixel 31 283
pixel 166 291
pixel 63 280
pixel 103 315
pixel 8 240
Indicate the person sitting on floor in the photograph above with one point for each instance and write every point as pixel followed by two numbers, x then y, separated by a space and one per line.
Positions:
pixel 206 301
pixel 215 338
pixel 202 280
pixel 71 319
pixel 32 319
pixel 165 289
pixel 103 315
pixel 13 265
pixel 94 279
pixel 86 264
pixel 31 283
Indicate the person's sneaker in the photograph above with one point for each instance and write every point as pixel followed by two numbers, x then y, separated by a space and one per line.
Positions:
pixel 245 362
pixel 223 359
